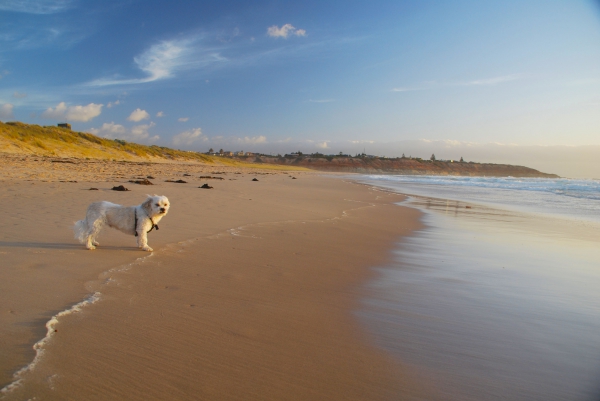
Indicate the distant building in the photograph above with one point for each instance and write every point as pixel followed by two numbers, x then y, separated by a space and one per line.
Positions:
pixel 65 125
pixel 240 153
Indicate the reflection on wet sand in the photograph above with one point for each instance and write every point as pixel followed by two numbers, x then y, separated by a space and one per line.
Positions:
pixel 493 304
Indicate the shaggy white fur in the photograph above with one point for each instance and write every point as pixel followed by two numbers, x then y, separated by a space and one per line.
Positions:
pixel 122 218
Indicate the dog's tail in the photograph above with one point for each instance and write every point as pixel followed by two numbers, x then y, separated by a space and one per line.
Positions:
pixel 81 231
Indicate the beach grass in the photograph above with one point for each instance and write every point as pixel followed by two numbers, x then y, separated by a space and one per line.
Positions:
pixel 21 138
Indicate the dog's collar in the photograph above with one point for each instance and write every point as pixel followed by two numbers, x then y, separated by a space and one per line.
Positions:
pixel 135 224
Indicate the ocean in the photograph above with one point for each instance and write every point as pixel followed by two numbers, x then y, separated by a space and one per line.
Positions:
pixel 498 296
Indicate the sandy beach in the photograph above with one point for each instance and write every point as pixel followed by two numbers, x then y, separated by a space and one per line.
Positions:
pixel 250 293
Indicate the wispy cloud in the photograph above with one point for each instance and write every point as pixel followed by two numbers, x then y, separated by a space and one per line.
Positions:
pixel 491 81
pixel 429 85
pixel 35 35
pixel 160 114
pixel 18 95
pixel 163 60
pixel 406 89
pixel 253 140
pixel 183 119
pixel 285 31
pixel 36 6
pixel 73 113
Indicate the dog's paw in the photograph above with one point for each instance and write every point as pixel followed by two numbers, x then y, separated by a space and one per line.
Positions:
pixel 91 247
pixel 96 243
pixel 147 249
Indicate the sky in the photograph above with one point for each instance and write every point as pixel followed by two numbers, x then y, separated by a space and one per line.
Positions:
pixel 491 81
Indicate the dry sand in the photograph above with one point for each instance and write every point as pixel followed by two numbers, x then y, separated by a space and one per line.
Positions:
pixel 249 294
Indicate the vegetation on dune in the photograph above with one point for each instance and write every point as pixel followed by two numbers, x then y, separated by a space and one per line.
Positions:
pixel 17 137
pixel 54 141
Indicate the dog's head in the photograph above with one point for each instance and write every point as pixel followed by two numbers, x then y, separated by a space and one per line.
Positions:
pixel 156 205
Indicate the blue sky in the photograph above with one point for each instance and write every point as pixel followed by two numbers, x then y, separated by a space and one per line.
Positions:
pixel 323 76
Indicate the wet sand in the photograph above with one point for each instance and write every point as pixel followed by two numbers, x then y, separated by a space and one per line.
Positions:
pixel 493 304
pixel 249 294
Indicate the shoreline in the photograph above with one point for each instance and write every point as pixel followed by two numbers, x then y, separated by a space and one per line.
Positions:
pixel 333 351
pixel 489 302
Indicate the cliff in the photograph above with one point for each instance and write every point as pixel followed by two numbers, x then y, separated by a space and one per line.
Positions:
pixel 375 165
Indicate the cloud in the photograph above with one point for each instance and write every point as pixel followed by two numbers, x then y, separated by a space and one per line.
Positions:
pixel 115 103
pixel 139 133
pixel 492 81
pixel 189 137
pixel 160 114
pixel 284 31
pixel 476 82
pixel 226 37
pixel 18 95
pixel 138 115
pixel 164 59
pixel 254 140
pixel 110 130
pixel 183 119
pixel 322 145
pixel 41 34
pixel 160 60
pixel 4 73
pixel 73 113
pixel 406 89
pixel 35 6
pixel 6 111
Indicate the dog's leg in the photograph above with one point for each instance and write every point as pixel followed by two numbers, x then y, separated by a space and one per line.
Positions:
pixel 96 226
pixel 89 244
pixel 143 240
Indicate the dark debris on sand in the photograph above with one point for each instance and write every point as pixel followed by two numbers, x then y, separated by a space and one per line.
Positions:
pixel 178 181
pixel 206 186
pixel 141 182
pixel 119 188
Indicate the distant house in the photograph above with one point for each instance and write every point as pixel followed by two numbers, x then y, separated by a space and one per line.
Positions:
pixel 240 153
pixel 64 125
pixel 249 154
pixel 227 153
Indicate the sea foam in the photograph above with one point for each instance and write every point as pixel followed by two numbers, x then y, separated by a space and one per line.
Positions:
pixel 39 346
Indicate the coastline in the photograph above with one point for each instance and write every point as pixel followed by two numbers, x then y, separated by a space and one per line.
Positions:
pixel 259 312
pixel 490 302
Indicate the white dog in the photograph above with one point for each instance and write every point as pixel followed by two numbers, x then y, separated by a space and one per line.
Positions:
pixel 135 220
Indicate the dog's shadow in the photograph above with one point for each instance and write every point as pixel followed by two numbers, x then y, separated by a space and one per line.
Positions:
pixel 62 245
